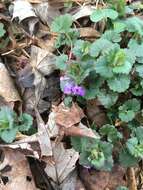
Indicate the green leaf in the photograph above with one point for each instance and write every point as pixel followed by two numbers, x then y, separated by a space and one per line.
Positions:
pixel 107 148
pixel 120 83
pixel 100 14
pixel 122 188
pixel 61 62
pixel 68 38
pixel 127 116
pixel 78 71
pixel 102 67
pixel 83 159
pixel 111 132
pixel 26 122
pixel 119 26
pixel 128 110
pixel 68 101
pixel 126 159
pixel 6 118
pixel 134 24
pixel 119 6
pixel 123 69
pixel 139 134
pixel 117 59
pixel 94 83
pixel 134 147
pixel 100 46
pixel 2 30
pixel 81 48
pixel 80 144
pixel 135 48
pixel 112 35
pixel 97 158
pixel 139 70
pixel 107 99
pixel 62 24
pixel 9 135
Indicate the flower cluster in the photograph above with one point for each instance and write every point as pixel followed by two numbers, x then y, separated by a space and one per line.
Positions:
pixel 69 87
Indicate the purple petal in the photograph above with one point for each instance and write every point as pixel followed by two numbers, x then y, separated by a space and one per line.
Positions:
pixel 78 90
pixel 68 88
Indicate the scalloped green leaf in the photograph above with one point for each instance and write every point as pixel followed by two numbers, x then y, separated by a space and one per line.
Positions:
pixel 107 99
pixel 62 24
pixel 103 69
pixel 120 83
pixel 100 14
pixel 123 69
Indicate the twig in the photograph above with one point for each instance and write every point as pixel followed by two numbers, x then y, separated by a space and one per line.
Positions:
pixel 131 179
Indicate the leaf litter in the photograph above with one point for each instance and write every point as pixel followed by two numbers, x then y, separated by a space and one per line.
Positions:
pixel 34 87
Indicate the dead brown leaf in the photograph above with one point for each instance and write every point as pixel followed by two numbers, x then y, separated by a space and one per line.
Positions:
pixel 67 117
pixel 82 11
pixel 23 10
pixel 44 137
pixel 18 173
pixel 63 163
pixel 88 32
pixel 7 88
pixel 46 12
pixel 42 60
pixel 81 131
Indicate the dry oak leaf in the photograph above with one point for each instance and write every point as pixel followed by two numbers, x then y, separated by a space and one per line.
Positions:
pixel 64 161
pixel 17 175
pixel 44 137
pixel 80 131
pixel 88 32
pixel 42 60
pixel 67 117
pixel 7 88
pixel 46 12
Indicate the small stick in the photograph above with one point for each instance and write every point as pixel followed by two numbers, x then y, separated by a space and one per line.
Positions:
pixel 131 179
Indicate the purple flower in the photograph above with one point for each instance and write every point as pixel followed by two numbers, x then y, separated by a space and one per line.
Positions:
pixel 68 88
pixel 78 90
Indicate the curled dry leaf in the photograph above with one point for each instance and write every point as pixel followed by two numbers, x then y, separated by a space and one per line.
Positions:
pixel 42 63
pixel 47 44
pixel 51 125
pixel 44 137
pixel 26 77
pixel 23 10
pixel 88 32
pixel 70 181
pixel 82 11
pixel 46 12
pixel 42 60
pixel 81 131
pixel 67 117
pixel 18 173
pixel 7 88
pixel 64 161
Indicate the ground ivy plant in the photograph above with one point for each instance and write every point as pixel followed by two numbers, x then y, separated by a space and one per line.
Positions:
pixel 110 70
pixel 11 124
